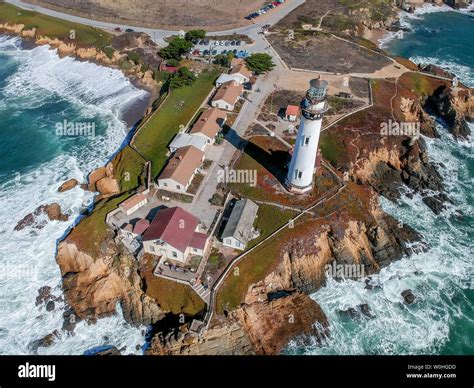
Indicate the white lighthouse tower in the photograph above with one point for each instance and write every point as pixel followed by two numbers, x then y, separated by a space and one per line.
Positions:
pixel 302 165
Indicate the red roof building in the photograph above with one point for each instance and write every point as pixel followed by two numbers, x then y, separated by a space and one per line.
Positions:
pixel 173 235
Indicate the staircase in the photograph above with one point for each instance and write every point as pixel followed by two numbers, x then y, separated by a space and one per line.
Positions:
pixel 202 292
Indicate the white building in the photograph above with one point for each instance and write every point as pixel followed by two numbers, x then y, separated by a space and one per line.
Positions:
pixel 239 228
pixel 302 166
pixel 133 203
pixel 181 169
pixel 185 139
pixel 227 95
pixel 223 78
pixel 174 235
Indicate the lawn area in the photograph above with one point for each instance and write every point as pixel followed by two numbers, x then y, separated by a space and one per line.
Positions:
pixel 53 27
pixel 178 109
pixel 253 268
pixel 267 156
pixel 172 297
pixel 269 219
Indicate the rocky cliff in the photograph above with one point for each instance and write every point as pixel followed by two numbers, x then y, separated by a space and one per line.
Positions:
pixel 264 325
pixel 94 286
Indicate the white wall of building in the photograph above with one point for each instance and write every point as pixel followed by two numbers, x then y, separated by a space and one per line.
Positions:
pixel 232 242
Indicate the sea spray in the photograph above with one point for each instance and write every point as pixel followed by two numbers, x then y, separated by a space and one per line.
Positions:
pixel 37 90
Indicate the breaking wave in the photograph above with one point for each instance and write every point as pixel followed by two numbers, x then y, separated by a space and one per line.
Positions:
pixel 46 88
pixel 442 318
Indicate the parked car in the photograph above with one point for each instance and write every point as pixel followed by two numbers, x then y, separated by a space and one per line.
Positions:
pixel 206 52
pixel 224 52
pixel 234 51
pixel 227 43
pixel 206 43
pixel 238 43
pixel 214 52
pixel 201 42
pixel 117 29
pixel 129 30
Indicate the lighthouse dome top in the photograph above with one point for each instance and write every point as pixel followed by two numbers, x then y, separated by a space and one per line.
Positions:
pixel 318 83
pixel 318 88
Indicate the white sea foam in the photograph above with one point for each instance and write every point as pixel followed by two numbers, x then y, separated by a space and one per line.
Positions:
pixel 464 73
pixel 29 254
pixel 406 18
pixel 436 277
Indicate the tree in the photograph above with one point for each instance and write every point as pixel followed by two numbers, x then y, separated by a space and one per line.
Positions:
pixel 195 34
pixel 260 63
pixel 183 77
pixel 224 59
pixel 176 48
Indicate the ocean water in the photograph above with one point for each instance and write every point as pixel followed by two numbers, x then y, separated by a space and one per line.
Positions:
pixel 441 321
pixel 38 90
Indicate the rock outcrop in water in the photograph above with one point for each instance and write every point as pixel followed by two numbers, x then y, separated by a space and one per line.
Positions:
pixel 455 106
pixel 41 215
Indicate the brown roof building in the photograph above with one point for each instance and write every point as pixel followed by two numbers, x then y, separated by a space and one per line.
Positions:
pixel 209 123
pixel 227 95
pixel 242 70
pixel 181 167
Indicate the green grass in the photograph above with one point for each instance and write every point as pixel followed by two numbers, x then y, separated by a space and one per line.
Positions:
pixel 269 219
pixel 54 28
pixel 258 263
pixel 178 109
pixel 332 148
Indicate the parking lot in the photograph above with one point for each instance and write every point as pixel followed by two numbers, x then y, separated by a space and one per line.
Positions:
pixel 214 47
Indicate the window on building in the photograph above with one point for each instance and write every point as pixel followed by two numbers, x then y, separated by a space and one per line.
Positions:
pixel 229 241
pixel 178 187
pixel 165 184
pixel 306 140
pixel 174 254
pixel 195 250
pixel 299 174
pixel 152 248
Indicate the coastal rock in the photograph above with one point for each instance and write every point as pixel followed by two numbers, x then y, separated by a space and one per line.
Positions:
pixel 44 342
pixel 408 296
pixel 272 324
pixel 102 180
pixel 39 217
pixel 94 286
pixel 225 338
pixel 68 185
pixel 454 106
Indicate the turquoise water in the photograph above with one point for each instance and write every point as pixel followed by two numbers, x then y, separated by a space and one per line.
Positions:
pixel 38 91
pixel 441 321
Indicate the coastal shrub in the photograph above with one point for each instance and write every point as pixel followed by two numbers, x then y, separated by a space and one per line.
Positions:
pixel 144 67
pixel 134 57
pixel 125 65
pixel 172 62
pixel 161 76
pixel 183 77
pixel 195 34
pixel 109 51
pixel 176 48
pixel 260 63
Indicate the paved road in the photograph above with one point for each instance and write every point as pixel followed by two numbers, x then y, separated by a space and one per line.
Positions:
pixel 158 35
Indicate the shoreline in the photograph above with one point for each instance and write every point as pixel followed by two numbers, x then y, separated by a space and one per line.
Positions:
pixel 383 37
pixel 134 112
